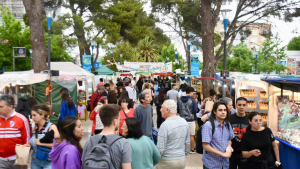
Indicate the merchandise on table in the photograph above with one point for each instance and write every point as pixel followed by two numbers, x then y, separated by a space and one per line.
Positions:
pixel 290 135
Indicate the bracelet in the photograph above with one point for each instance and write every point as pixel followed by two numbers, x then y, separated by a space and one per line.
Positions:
pixel 277 162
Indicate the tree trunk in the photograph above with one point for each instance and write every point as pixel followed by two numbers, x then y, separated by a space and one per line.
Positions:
pixel 209 63
pixel 80 34
pixel 34 10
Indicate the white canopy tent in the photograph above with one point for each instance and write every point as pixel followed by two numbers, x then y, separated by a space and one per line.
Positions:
pixel 21 78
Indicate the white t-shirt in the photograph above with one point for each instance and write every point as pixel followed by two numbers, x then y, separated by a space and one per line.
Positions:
pixel 133 83
pixel 99 124
pixel 130 92
pixel 180 93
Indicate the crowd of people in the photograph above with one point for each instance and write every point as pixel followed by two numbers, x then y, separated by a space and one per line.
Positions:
pixel 126 137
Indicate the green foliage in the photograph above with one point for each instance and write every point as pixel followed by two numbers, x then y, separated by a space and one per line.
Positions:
pixel 294 44
pixel 128 52
pixel 59 48
pixel 269 55
pixel 169 52
pixel 13 34
pixel 147 52
pixel 240 58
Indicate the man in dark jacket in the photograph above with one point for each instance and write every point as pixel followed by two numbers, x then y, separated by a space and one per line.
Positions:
pixel 187 109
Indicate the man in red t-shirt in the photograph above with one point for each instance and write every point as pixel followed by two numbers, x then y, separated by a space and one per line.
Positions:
pixel 14 129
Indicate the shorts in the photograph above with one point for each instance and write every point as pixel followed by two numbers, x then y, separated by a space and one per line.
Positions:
pixel 192 128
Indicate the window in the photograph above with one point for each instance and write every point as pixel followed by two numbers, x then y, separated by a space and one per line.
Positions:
pixel 254 40
pixel 254 32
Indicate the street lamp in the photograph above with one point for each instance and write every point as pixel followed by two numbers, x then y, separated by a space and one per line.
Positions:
pixel 111 58
pixel 225 14
pixel 175 59
pixel 93 44
pixel 30 51
pixel 168 59
pixel 121 58
pixel 49 13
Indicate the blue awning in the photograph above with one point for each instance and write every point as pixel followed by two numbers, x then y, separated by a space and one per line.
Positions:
pixel 292 84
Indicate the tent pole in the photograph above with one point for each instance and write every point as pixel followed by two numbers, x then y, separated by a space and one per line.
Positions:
pixel 281 87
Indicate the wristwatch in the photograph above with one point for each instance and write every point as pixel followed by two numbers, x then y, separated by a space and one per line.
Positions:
pixel 277 162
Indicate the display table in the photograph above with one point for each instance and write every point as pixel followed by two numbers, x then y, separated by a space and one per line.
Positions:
pixel 289 154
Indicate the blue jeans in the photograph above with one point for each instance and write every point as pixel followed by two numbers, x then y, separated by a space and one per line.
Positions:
pixel 38 164
pixel 204 167
pixel 137 94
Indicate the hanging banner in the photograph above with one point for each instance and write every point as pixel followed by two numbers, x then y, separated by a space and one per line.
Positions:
pixel 291 64
pixel 148 66
pixel 195 64
pixel 86 62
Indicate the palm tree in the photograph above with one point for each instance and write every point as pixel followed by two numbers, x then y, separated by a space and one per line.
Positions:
pixel 146 50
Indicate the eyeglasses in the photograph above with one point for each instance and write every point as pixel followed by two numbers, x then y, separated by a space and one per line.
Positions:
pixel 123 127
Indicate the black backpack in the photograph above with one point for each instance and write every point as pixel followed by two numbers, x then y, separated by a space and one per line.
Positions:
pixel 99 156
pixel 199 146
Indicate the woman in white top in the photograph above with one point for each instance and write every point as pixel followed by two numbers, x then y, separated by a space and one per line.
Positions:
pixel 97 123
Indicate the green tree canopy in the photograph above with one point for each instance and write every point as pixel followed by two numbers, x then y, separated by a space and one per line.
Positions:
pixel 13 34
pixel 169 52
pixel 294 44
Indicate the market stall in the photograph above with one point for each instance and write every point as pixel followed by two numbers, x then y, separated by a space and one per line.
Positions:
pixel 284 117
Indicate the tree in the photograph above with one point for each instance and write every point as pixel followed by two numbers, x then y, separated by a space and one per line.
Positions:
pixel 147 51
pixel 269 55
pixel 294 44
pixel 13 34
pixel 34 11
pixel 169 52
pixel 241 59
pixel 206 17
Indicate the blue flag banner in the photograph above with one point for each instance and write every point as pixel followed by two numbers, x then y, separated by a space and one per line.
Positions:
pixel 195 64
pixel 86 62
pixel 97 65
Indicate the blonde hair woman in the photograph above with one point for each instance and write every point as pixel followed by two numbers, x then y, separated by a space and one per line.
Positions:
pixel 43 134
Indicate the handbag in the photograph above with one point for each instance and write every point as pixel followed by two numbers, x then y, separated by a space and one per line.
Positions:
pixel 208 106
pixel 23 154
pixel 42 153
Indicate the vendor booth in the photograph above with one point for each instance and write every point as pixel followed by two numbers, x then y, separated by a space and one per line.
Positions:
pixel 284 117
pixel 105 73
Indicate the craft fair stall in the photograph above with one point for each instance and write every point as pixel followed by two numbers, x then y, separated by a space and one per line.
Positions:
pixel 105 73
pixel 284 117
pixel 73 77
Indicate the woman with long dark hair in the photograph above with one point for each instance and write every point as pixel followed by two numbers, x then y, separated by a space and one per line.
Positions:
pixel 66 151
pixel 43 134
pixel 124 95
pixel 258 145
pixel 126 112
pixel 68 107
pixel 112 98
pixel 144 153
pixel 159 100
pixel 97 123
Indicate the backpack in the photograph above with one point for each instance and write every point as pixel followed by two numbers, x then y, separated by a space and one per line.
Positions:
pixel 199 146
pixel 99 156
pixel 184 110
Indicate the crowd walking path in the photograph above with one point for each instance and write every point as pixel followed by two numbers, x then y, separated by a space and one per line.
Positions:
pixel 193 161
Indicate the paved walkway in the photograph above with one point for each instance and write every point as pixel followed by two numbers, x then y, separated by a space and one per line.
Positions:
pixel 193 161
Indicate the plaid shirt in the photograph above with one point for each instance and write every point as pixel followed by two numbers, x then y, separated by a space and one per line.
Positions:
pixel 218 141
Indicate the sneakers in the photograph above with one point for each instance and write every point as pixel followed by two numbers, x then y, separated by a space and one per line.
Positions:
pixel 192 152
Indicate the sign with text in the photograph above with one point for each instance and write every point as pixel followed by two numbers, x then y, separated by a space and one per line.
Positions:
pixel 86 62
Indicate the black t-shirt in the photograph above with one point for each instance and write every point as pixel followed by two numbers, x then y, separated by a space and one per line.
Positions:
pixel 239 125
pixel 261 140
pixel 166 86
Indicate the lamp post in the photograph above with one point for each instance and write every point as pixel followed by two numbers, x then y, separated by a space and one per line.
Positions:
pixel 175 59
pixel 111 57
pixel 167 59
pixel 30 51
pixel 49 13
pixel 225 14
pixel 121 58
pixel 93 44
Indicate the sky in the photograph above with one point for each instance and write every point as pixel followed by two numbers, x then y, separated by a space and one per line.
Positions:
pixel 283 29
